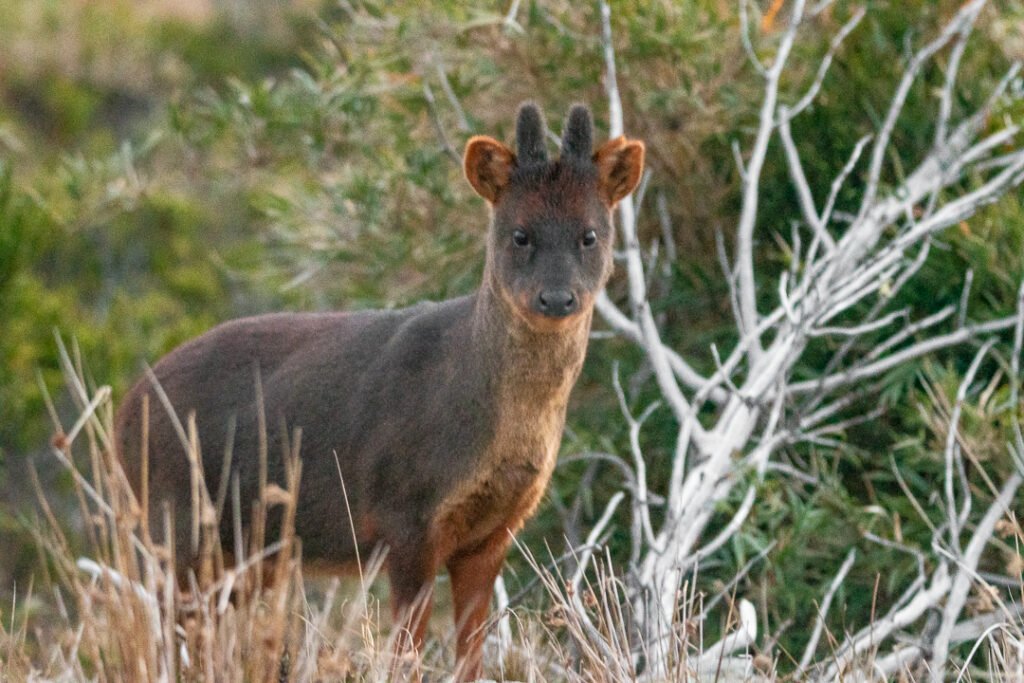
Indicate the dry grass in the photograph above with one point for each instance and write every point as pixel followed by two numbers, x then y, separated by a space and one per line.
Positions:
pixel 117 612
pixel 121 614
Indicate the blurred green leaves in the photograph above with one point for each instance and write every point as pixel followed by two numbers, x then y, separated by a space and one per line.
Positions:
pixel 175 172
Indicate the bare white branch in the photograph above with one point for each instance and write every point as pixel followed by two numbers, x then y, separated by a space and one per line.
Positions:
pixel 737 157
pixel 819 78
pixel 841 283
pixel 592 538
pixel 946 99
pixel 861 330
pixel 746 286
pixel 911 352
pixel 965 294
pixel 449 92
pixel 510 21
pixel 819 623
pixel 748 46
pixel 1015 374
pixel 639 464
pixel 803 190
pixel 923 599
pixel 618 321
pixel 649 334
pixel 969 630
pixel 968 564
pixel 744 636
pixel 951 444
pixel 908 332
pixel 837 184
pixel 964 18
pixel 435 117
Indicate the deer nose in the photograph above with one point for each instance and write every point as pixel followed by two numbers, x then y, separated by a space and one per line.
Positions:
pixel 557 303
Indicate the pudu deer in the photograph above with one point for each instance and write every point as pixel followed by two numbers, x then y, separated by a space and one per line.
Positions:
pixel 444 418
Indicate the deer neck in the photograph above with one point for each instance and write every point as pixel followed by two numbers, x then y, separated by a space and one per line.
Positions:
pixel 525 365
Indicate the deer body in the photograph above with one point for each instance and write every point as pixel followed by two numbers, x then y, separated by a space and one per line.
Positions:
pixel 444 419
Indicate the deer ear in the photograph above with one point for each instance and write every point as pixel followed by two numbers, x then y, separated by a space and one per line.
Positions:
pixel 620 162
pixel 488 165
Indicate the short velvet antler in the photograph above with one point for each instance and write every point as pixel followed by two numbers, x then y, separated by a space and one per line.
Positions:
pixel 577 136
pixel 530 147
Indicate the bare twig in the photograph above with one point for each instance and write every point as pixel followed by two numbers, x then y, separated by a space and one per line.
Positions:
pixel 819 623
pixel 963 20
pixel 909 353
pixel 748 46
pixel 803 190
pixel 627 223
pixel 449 92
pixel 951 453
pixel 683 370
pixel 839 284
pixel 744 636
pixel 435 117
pixel 744 268
pixel 962 580
pixel 819 77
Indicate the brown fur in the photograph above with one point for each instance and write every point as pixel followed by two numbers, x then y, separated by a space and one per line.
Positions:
pixel 443 419
pixel 488 164
pixel 619 164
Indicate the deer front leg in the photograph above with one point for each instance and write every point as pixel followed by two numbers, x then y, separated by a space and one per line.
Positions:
pixel 411 572
pixel 472 576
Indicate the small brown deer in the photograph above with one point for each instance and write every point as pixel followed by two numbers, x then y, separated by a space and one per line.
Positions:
pixel 444 418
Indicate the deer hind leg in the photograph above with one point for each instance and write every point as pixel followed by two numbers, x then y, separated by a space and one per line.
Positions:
pixel 472 576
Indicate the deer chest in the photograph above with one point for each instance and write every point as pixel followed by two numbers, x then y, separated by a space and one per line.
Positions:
pixel 508 484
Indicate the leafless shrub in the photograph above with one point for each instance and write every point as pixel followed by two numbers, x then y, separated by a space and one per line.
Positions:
pixel 127 617
pixel 845 271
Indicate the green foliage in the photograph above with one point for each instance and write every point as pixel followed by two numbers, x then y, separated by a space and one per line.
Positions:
pixel 199 170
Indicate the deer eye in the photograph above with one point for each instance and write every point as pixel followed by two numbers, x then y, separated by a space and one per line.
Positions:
pixel 589 238
pixel 520 238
